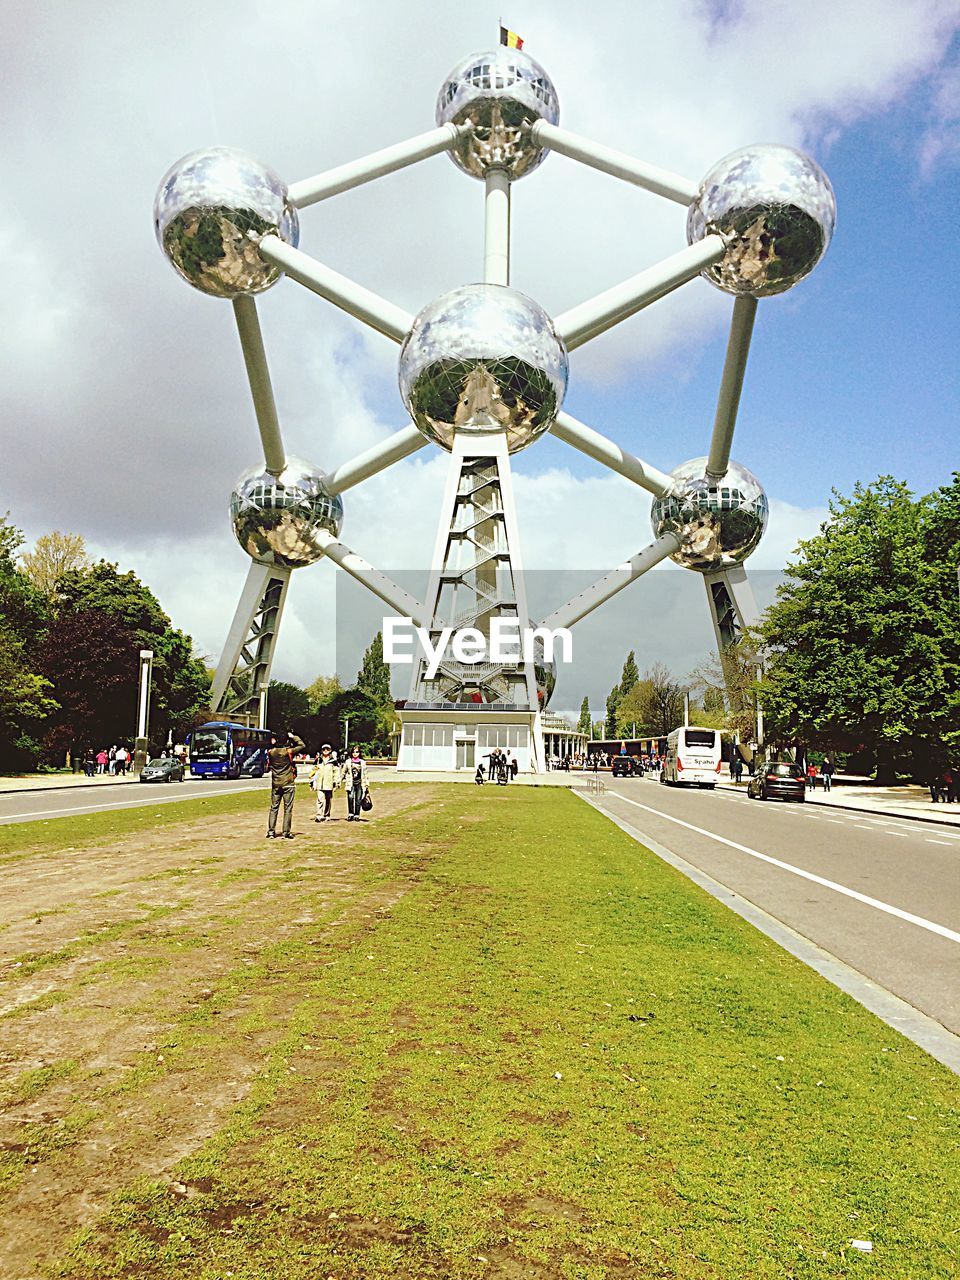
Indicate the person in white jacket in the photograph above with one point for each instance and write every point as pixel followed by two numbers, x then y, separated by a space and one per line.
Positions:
pixel 323 780
pixel 354 776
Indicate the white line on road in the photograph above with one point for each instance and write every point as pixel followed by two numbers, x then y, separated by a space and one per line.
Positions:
pixel 930 840
pixel 906 834
pixel 123 804
pixel 940 929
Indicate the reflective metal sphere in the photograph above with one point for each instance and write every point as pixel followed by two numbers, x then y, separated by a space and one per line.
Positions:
pixel 776 209
pixel 719 522
pixel 276 518
pixel 497 92
pixel 211 212
pixel 482 359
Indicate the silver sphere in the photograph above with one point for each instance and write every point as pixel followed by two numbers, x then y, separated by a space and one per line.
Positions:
pixel 276 518
pixel 776 209
pixel 211 212
pixel 497 92
pixel 483 359
pixel 719 522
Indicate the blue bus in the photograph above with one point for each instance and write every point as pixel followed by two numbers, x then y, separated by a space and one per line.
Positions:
pixel 222 749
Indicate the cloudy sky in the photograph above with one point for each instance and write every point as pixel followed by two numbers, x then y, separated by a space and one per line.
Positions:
pixel 125 412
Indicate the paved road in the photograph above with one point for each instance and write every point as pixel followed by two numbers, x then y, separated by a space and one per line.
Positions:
pixel 35 806
pixel 881 894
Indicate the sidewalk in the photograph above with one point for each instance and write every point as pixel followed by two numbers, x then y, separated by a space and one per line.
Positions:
pixel 64 781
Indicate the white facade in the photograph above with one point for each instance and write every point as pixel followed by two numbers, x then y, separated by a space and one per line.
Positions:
pixel 460 740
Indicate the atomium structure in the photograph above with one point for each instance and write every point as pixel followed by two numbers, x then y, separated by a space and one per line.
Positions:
pixel 483 371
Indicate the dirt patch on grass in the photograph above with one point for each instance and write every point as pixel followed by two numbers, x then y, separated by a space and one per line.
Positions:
pixel 162 975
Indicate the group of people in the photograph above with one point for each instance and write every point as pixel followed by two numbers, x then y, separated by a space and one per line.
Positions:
pixel 113 760
pixel 945 786
pixel 825 773
pixel 326 776
pixel 502 768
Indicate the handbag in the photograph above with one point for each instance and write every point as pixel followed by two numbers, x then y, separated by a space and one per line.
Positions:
pixel 366 804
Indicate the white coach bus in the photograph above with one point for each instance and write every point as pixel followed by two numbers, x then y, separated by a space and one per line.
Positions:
pixel 692 755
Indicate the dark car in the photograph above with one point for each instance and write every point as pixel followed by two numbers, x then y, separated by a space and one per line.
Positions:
pixel 164 769
pixel 623 767
pixel 778 781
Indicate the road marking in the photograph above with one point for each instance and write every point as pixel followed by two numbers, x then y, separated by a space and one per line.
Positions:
pixel 932 841
pixel 122 804
pixel 905 834
pixel 929 925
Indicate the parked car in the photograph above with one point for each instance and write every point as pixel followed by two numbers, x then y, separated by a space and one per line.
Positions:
pixel 623 767
pixel 163 769
pixel 777 781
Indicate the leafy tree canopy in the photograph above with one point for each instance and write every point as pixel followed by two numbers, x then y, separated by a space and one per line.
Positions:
pixel 584 724
pixel 858 642
pixel 53 555
pixel 374 674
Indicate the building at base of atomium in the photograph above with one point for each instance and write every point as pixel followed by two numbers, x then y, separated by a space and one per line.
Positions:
pixel 483 372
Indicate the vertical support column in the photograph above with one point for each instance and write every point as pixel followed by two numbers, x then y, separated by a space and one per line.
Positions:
pixel 733 610
pixel 247 657
pixel 143 710
pixel 496 237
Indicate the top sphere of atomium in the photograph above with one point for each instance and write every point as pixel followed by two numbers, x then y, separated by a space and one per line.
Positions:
pixel 498 93
pixel 718 522
pixel 211 212
pixel 776 209
pixel 483 359
pixel 276 519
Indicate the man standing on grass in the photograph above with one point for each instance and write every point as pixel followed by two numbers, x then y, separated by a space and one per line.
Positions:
pixel 283 773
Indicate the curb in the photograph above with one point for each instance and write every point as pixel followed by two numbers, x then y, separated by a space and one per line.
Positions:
pixel 881 813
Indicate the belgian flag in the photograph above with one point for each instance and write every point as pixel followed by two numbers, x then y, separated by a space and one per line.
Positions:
pixel 510 38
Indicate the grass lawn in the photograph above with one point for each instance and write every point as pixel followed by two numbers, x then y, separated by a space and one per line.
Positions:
pixel 484 1035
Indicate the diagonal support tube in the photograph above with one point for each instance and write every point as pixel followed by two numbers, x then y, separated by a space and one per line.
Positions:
pixel 731 385
pixel 382 586
pixel 611 583
pixel 354 174
pixel 394 449
pixel 255 358
pixel 598 447
pixel 594 317
pixel 617 163
pixel 377 312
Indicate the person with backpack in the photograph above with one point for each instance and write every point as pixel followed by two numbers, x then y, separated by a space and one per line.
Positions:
pixel 354 777
pixel 283 778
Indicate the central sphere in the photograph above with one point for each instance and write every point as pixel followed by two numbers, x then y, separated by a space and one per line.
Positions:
pixel 211 212
pixel 483 359
pixel 276 518
pixel 497 92
pixel 718 522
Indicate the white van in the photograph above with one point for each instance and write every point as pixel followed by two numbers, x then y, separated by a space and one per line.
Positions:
pixel 692 755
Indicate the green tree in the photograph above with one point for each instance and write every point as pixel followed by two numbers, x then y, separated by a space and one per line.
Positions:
pixel 654 704
pixel 630 675
pixel 611 724
pixel 323 690
pixel 53 555
pixel 855 642
pixel 584 724
pixel 940 530
pixel 374 674
pixel 181 684
pixel 286 703
pixel 25 695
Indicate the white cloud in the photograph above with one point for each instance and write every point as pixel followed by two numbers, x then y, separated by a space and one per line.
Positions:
pixel 124 389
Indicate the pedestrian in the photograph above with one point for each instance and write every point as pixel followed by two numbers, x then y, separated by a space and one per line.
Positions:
pixel 953 795
pixel 514 767
pixel 354 776
pixel 89 763
pixel 948 786
pixel 120 762
pixel 811 776
pixel 112 759
pixel 324 780
pixel 827 769
pixel 102 760
pixel 737 767
pixel 478 776
pixel 283 781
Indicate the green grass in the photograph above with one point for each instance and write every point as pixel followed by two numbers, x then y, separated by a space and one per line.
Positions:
pixel 551 1057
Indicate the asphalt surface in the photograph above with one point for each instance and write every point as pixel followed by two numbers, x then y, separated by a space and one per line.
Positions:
pixel 35 806
pixel 880 894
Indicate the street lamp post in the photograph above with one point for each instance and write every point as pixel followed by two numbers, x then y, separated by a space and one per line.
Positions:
pixel 143 716
pixel 262 713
